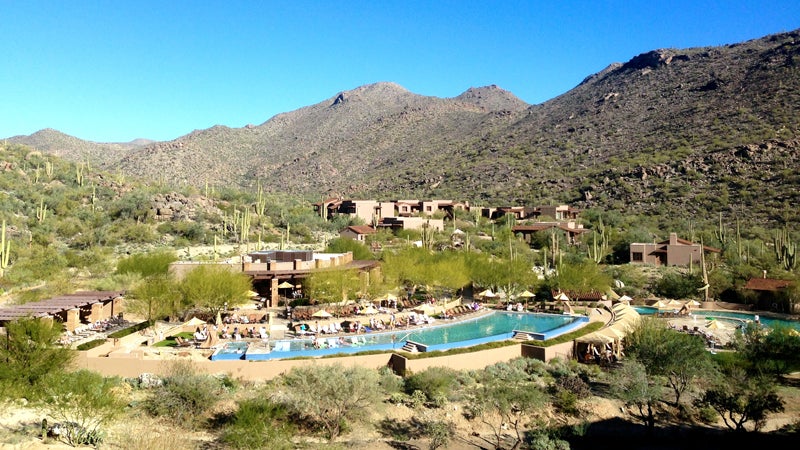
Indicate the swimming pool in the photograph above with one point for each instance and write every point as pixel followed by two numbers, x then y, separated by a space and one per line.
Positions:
pixel 441 335
pixel 734 316
pixel 230 351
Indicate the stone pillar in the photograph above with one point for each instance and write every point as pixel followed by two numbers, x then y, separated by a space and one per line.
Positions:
pixel 97 312
pixel 73 319
pixel 273 292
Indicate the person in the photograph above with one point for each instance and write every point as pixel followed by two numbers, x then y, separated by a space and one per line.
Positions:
pixel 198 335
pixel 237 336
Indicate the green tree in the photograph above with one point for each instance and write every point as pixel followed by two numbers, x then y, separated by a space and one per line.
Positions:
pixel 507 405
pixel 332 285
pixel 583 276
pixel 774 350
pixel 680 358
pixel 155 296
pixel 212 287
pixel 330 396
pixel 636 388
pixel 344 245
pixel 29 353
pixel 740 398
pixel 147 264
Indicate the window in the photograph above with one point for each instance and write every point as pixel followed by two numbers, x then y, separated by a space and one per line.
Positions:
pixel 637 257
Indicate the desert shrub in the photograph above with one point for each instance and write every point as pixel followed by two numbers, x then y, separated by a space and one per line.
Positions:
pixel 433 382
pixel 328 397
pixel 258 423
pixel 146 434
pixel 83 402
pixel 389 382
pixel 185 396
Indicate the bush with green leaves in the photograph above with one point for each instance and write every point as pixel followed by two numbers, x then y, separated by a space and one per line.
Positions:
pixel 434 382
pixel 185 396
pixel 329 397
pixel 678 285
pixel 29 355
pixel 258 423
pixel 82 402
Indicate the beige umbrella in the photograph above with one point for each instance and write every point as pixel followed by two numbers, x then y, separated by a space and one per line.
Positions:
pixel 252 294
pixel 527 294
pixel 715 325
pixel 285 285
pixel 425 308
pixel 563 297
pixel 322 313
pixel 369 310
pixel 486 293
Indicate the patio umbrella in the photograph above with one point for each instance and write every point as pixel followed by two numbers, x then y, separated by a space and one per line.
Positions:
pixel 527 294
pixel 486 293
pixel 426 309
pixel 625 299
pixel 369 310
pixel 562 296
pixel 715 325
pixel 321 313
pixel 252 294
pixel 285 285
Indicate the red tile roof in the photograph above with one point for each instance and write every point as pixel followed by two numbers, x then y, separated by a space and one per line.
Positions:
pixel 767 284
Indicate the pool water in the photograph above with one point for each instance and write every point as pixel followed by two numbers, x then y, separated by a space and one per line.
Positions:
pixel 738 317
pixel 441 335
pixel 230 351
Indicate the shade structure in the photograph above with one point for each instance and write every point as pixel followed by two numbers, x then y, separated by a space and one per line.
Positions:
pixel 661 304
pixel 693 303
pixel 527 294
pixel 285 285
pixel 321 313
pixel 486 293
pixel 562 297
pixel 252 294
pixel 369 310
pixel 715 325
pixel 675 303
pixel 194 321
pixel 625 299
pixel 425 308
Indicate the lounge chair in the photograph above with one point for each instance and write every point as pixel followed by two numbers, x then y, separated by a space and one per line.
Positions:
pixel 183 343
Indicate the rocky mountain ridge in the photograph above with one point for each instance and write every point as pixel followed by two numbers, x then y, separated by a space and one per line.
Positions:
pixel 671 131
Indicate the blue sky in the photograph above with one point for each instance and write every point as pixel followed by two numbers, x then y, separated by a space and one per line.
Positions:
pixel 114 71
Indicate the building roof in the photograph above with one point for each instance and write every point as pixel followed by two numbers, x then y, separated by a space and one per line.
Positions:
pixel 767 284
pixel 361 229
pixel 58 304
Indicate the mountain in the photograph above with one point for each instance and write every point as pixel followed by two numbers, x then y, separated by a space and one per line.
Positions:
pixel 674 132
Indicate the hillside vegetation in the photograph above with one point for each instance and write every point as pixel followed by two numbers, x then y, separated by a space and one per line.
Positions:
pixel 681 132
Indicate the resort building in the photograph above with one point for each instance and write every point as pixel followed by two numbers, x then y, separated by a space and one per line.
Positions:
pixel 672 252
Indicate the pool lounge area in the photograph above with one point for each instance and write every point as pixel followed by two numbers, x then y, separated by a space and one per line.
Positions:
pixel 441 335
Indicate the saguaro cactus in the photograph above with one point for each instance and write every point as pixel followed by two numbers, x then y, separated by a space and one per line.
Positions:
pixel 785 249
pixel 5 250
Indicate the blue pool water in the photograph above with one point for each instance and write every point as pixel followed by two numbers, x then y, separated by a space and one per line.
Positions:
pixel 738 317
pixel 230 351
pixel 441 335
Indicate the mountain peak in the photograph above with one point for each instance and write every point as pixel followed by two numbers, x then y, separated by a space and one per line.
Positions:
pixel 492 98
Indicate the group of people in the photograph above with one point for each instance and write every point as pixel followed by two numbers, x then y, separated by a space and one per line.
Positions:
pixel 252 333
